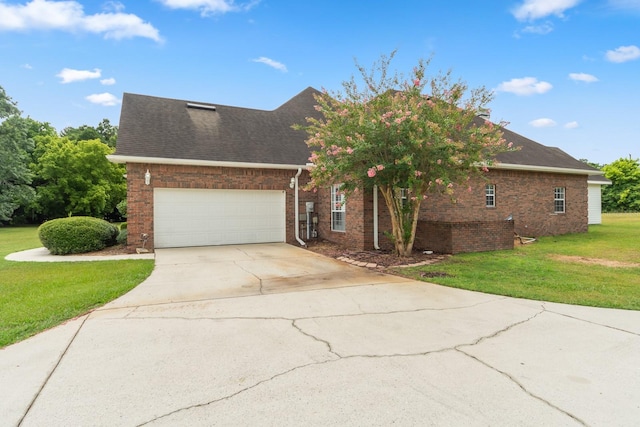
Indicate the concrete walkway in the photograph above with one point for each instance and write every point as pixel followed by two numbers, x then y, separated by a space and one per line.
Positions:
pixel 277 335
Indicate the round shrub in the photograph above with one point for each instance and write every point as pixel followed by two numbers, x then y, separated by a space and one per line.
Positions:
pixel 77 234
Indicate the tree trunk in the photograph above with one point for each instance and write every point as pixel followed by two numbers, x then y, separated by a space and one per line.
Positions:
pixel 403 247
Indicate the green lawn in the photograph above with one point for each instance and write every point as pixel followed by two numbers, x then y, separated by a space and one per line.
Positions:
pixel 35 296
pixel 534 271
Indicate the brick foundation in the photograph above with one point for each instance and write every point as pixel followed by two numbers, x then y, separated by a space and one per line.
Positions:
pixel 460 237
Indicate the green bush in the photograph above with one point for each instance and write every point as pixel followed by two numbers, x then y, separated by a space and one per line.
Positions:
pixel 123 226
pixel 122 236
pixel 122 208
pixel 77 234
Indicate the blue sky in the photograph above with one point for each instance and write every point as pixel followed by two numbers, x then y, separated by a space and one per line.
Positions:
pixel 566 73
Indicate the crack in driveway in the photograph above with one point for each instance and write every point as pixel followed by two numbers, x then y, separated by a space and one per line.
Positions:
pixel 53 370
pixel 339 357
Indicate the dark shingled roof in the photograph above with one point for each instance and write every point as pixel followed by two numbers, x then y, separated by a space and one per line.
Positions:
pixel 169 129
pixel 531 153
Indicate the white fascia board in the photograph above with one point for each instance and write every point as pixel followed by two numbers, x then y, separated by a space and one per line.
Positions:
pixel 548 169
pixel 599 182
pixel 189 162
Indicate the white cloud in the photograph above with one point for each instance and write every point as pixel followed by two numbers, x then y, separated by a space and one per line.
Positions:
pixel 623 54
pixel 542 123
pixel 583 77
pixel 69 75
pixel 108 82
pixel 271 63
pixel 69 16
pixel 209 7
pixel 531 10
pixel 571 125
pixel 27 66
pixel 113 6
pixel 524 86
pixel 106 99
pixel 545 28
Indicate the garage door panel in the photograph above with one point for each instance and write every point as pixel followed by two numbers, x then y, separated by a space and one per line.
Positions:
pixel 189 217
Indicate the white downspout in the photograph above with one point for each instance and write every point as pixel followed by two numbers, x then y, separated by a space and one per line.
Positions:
pixel 297 210
pixel 376 246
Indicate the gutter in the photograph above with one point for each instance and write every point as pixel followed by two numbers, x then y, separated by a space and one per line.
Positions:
pixel 116 158
pixel 297 210
pixel 549 169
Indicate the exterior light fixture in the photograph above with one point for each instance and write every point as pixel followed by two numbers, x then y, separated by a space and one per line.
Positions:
pixel 147 178
pixel 292 183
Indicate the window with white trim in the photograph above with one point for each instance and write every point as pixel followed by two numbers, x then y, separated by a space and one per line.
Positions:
pixel 403 195
pixel 338 209
pixel 558 200
pixel 490 195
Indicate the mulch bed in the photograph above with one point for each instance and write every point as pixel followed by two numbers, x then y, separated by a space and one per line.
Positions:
pixel 382 258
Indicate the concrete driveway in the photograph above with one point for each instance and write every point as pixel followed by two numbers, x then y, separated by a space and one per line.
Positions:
pixel 276 335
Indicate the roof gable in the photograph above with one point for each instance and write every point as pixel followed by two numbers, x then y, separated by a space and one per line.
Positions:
pixel 171 129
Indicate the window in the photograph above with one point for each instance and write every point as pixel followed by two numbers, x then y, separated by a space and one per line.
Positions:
pixel 490 195
pixel 402 194
pixel 558 200
pixel 338 210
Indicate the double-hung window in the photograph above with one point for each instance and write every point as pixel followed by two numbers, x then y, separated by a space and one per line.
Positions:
pixel 338 209
pixel 490 195
pixel 558 200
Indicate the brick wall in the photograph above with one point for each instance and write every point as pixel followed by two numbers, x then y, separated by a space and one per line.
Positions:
pixel 140 196
pixel 460 237
pixel 358 220
pixel 527 196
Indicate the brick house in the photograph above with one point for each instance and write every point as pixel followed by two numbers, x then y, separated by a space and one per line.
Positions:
pixel 200 174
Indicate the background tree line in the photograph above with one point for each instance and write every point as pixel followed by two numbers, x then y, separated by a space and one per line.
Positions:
pixel 623 195
pixel 45 174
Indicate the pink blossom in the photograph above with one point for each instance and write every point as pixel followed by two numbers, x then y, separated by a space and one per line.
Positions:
pixel 424 197
pixel 416 82
pixel 349 150
pixel 414 198
pixel 417 173
pixel 450 185
pixel 509 145
pixel 439 181
pixel 380 167
pixel 439 161
pixel 371 172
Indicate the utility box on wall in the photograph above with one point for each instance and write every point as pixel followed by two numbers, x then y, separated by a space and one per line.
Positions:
pixel 309 206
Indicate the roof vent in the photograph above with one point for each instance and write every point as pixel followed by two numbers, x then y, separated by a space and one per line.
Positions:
pixel 201 106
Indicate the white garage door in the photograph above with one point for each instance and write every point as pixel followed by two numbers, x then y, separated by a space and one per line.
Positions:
pixel 190 217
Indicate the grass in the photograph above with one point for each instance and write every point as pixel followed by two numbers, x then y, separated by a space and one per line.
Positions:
pixel 534 271
pixel 35 296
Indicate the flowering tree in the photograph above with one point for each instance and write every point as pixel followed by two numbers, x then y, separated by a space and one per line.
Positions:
pixel 390 135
